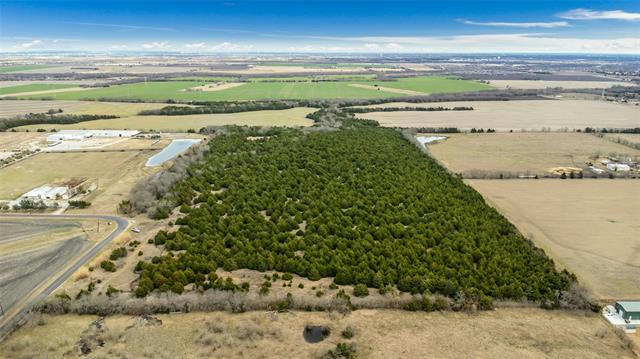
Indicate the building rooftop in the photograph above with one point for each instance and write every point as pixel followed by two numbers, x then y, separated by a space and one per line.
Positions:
pixel 630 305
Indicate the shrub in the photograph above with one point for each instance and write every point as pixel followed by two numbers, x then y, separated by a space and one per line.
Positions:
pixel 347 333
pixel 118 253
pixel 342 351
pixel 109 266
pixel 360 290
pixel 111 290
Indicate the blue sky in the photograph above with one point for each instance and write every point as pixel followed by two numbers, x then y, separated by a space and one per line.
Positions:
pixel 322 26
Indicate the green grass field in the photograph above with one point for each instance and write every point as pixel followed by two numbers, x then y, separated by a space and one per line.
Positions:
pixel 15 68
pixel 175 90
pixel 32 87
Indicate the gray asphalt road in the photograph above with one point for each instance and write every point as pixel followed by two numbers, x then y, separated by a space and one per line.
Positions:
pixel 9 323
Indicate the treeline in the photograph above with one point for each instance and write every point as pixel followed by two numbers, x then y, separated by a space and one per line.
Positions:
pixel 406 108
pixel 361 206
pixel 635 130
pixel 42 119
pixel 221 107
pixel 438 130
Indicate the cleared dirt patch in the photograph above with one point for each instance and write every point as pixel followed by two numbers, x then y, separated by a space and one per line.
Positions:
pixel 589 226
pixel 522 153
pixel 217 86
pixel 522 333
pixel 21 140
pixel 389 89
pixel 513 115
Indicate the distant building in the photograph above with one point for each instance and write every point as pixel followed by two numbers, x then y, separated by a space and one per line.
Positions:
pixel 78 135
pixel 47 193
pixel 618 167
pixel 625 314
pixel 628 310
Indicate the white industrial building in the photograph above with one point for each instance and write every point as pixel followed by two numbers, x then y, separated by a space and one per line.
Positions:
pixel 47 193
pixel 624 314
pixel 77 135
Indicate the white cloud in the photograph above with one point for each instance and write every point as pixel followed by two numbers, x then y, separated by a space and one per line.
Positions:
pixel 198 45
pixel 586 14
pixel 525 25
pixel 393 46
pixel 227 46
pixel 118 47
pixel 28 45
pixel 156 45
pixel 371 46
pixel 519 43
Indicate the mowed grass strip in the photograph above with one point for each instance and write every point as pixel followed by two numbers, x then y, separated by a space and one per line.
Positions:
pixel 32 88
pixel 16 68
pixel 290 118
pixel 178 90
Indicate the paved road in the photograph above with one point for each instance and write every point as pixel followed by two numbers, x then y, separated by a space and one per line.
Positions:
pixel 8 324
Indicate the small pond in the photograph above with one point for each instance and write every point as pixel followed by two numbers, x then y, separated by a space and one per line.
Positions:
pixel 175 148
pixel 428 139
pixel 315 333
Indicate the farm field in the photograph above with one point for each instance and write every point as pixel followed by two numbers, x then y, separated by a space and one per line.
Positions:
pixel 289 117
pixel 522 153
pixel 10 141
pixel 10 108
pixel 542 84
pixel 7 91
pixel 589 226
pixel 633 139
pixel 522 333
pixel 18 68
pixel 105 167
pixel 177 90
pixel 512 115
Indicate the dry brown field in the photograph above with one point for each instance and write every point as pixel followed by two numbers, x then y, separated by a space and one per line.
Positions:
pixel 512 115
pixel 591 227
pixel 114 172
pixel 9 108
pixel 630 137
pixel 290 117
pixel 504 333
pixel 21 140
pixel 542 84
pixel 522 152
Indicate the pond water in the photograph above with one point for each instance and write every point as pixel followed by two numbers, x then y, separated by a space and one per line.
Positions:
pixel 315 333
pixel 175 148
pixel 428 139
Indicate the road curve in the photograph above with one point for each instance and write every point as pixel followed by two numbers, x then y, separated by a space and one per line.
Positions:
pixel 10 323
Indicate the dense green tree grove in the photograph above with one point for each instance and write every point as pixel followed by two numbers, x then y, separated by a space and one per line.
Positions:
pixel 361 205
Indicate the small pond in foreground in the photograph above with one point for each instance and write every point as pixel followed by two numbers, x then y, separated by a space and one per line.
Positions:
pixel 175 148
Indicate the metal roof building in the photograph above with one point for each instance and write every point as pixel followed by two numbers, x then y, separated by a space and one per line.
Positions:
pixel 629 310
pixel 66 135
